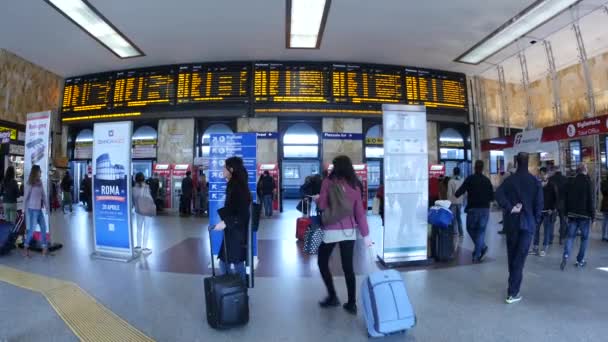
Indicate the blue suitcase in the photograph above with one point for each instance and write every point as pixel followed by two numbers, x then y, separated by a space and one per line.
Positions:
pixel 386 305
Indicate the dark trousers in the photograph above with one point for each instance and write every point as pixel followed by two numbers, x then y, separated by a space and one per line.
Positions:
pixel 186 204
pixel 346 253
pixel 518 243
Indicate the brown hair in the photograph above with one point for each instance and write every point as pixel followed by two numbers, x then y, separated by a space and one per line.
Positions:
pixel 35 175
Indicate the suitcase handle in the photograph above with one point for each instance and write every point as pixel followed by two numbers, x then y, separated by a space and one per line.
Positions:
pixel 211 228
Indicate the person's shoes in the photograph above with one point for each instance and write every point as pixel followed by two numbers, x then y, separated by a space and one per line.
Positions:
pixel 351 308
pixel 542 253
pixel 513 299
pixel 329 302
pixel 484 251
pixel 533 251
pixel 581 264
pixel 562 266
pixel 137 249
pixel 146 251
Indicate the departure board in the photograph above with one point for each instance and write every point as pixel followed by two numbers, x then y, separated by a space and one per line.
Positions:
pixel 88 93
pixel 144 87
pixel 213 83
pixel 296 83
pixel 358 84
pixel 436 89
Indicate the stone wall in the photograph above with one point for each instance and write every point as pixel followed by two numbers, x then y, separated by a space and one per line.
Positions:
pixel 175 141
pixel 335 147
pixel 267 149
pixel 26 88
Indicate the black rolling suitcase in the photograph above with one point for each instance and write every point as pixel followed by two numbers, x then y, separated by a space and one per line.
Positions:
pixel 443 245
pixel 226 296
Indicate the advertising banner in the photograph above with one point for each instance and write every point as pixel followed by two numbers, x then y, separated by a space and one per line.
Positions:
pixel 37 137
pixel 406 184
pixel 112 190
pixel 222 147
pixel 576 129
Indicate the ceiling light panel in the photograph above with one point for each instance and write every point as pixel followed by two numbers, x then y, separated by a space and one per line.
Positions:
pixel 531 18
pixel 91 21
pixel 306 22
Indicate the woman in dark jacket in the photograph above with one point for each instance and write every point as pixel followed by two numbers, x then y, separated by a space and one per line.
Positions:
pixel 10 193
pixel 604 209
pixel 235 218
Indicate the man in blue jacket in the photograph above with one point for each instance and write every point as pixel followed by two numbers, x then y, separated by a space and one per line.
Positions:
pixel 521 197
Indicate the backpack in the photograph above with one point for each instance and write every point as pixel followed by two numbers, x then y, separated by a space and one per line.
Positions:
pixel 339 206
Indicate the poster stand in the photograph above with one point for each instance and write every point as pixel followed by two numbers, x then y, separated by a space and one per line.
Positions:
pixel 37 142
pixel 405 233
pixel 113 233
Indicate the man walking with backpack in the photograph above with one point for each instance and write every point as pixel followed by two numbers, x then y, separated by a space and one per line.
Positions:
pixel 521 196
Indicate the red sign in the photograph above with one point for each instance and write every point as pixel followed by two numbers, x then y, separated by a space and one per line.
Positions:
pixel 436 170
pixel 576 129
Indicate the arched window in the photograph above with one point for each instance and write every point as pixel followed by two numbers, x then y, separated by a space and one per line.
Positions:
pixel 85 135
pixel 83 146
pixel 145 133
pixel 451 145
pixel 300 141
pixel 374 142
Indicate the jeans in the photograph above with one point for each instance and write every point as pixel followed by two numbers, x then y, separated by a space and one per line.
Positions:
pixel 234 268
pixel 574 225
pixel 10 212
pixel 548 223
pixel 267 205
pixel 457 211
pixel 477 220
pixel 518 243
pixel 604 225
pixel 346 253
pixel 35 216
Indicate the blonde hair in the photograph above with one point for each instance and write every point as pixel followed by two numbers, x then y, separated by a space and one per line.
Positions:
pixel 35 175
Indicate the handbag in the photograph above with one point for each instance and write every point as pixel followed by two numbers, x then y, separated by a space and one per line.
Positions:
pixel 145 204
pixel 376 206
pixel 313 237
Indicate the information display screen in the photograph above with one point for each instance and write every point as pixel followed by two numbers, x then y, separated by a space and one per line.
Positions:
pixel 436 89
pixel 90 93
pixel 144 87
pixel 213 83
pixel 360 84
pixel 296 83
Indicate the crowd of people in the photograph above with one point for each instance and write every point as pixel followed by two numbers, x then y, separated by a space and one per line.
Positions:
pixel 530 204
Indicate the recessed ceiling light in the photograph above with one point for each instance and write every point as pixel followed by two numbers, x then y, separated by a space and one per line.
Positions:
pixel 88 18
pixel 306 22
pixel 529 19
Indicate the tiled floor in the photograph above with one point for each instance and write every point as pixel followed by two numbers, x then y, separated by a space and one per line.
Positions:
pixel 162 295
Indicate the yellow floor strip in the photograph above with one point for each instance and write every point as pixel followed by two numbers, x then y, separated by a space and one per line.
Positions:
pixel 88 319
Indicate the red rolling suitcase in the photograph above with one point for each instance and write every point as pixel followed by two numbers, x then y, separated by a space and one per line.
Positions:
pixel 303 222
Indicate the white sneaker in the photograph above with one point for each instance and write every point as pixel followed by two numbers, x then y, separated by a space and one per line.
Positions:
pixel 513 299
pixel 542 253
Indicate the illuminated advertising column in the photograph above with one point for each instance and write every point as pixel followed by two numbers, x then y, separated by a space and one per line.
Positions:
pixel 406 179
pixel 37 137
pixel 112 190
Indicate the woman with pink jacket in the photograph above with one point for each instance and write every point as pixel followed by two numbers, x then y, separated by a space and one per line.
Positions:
pixel 343 232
